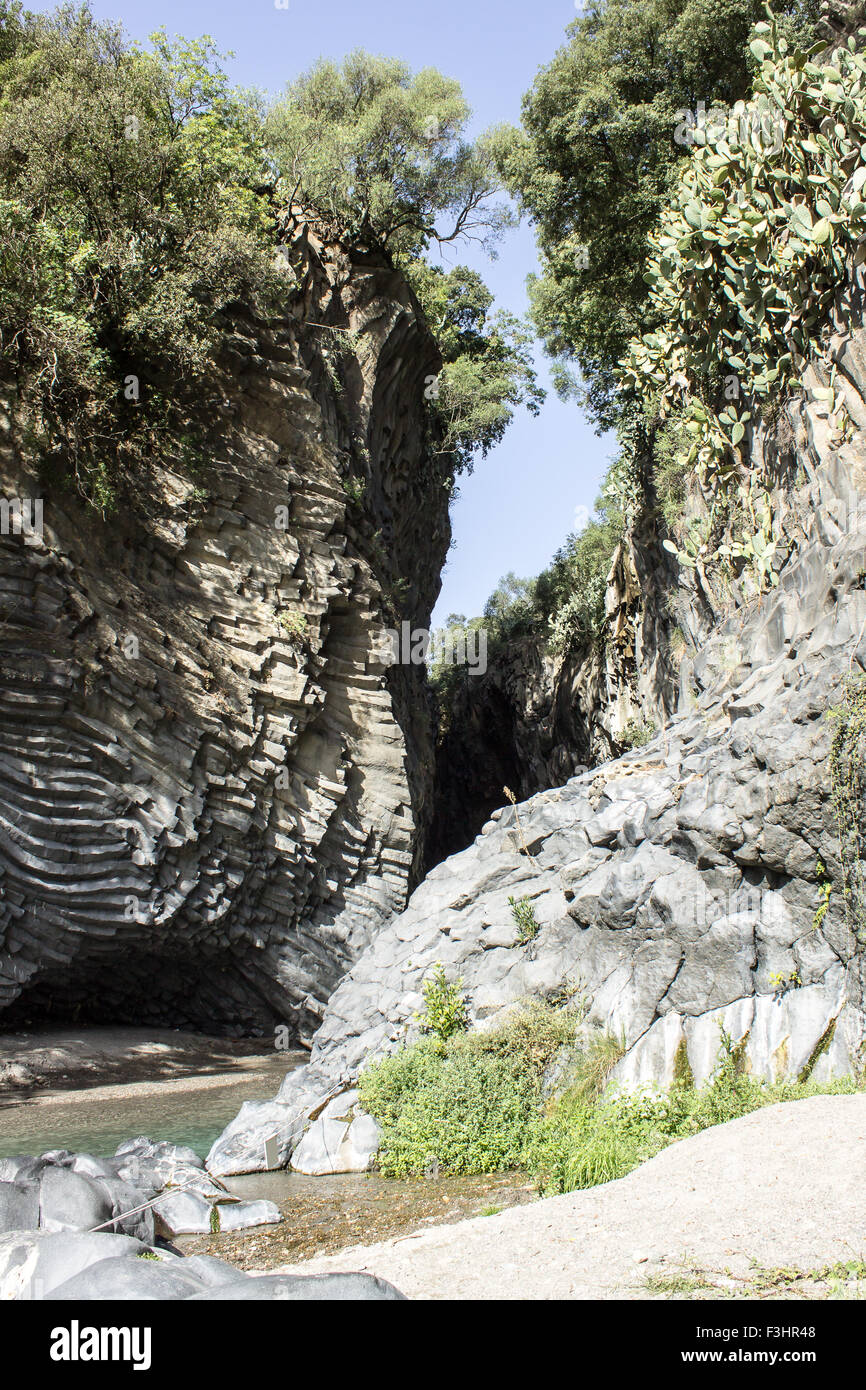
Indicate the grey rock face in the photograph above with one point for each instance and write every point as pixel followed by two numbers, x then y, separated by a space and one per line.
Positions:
pixel 677 887
pixel 71 1202
pixel 128 1279
pixel 342 1140
pixel 34 1263
pixel 213 790
pixel 536 719
pixel 73 1267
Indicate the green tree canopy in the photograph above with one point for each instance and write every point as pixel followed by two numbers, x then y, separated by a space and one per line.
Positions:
pixel 139 194
pixel 384 152
pixel 488 369
pixel 597 158
pixel 132 213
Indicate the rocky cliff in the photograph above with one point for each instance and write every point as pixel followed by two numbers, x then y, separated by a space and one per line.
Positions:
pixel 212 792
pixel 699 882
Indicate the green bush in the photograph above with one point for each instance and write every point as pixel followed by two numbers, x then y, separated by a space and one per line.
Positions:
pixel 140 203
pixel 470 1110
pixel 132 216
pixel 636 734
pixel 476 1103
pixel 445 1008
pixel 470 1102
pixel 580 1143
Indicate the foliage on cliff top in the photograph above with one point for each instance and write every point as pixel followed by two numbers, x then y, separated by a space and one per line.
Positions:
pixel 597 157
pixel 383 152
pixel 752 250
pixel 138 199
pixel 131 215
pixel 487 358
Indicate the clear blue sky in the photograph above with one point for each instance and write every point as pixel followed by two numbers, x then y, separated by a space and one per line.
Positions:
pixel 520 503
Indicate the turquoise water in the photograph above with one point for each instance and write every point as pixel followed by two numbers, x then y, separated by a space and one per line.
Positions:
pixel 87 1124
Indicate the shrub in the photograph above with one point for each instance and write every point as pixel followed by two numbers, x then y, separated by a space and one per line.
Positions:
pixel 746 264
pixel 601 1052
pixel 475 1103
pixel 580 1143
pixel 296 626
pixel 132 217
pixel 636 734
pixel 445 1007
pixel 470 1102
pixel 467 1108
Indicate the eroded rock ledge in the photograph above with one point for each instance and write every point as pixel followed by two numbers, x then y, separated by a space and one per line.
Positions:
pixel 211 792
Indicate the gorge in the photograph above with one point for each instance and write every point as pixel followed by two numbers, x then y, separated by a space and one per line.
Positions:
pixel 592 888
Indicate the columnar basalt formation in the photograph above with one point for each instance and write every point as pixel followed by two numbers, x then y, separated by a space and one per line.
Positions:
pixel 212 792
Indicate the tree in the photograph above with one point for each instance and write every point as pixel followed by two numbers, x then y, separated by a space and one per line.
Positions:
pixel 384 154
pixel 488 369
pixel 597 157
pixel 133 214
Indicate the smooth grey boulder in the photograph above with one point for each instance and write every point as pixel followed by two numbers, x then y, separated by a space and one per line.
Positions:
pixel 19 1206
pixel 20 1168
pixel 129 1279
pixel 241 1216
pixel 157 1165
pixel 342 1140
pixel 305 1288
pixel 189 1213
pixel 183 1213
pixel 159 1150
pixel 129 1206
pixel 91 1167
pixel 277 1125
pixel 70 1202
pixel 32 1263
pixel 211 1271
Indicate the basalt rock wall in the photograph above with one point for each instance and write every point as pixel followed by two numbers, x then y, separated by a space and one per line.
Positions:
pixel 694 885
pixel 212 792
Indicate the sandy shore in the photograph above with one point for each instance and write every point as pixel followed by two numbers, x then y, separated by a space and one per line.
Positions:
pixel 46 1065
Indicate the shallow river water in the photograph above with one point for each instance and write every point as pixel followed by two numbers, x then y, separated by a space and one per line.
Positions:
pixel 321 1215
pixel 96 1119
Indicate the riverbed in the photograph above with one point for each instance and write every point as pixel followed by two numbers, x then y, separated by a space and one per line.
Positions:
pixel 86 1091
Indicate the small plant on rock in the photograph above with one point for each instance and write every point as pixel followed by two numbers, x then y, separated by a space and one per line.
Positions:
pixel 445 1006
pixel 525 920
pixel 825 887
pixel 296 627
pixel 783 983
pixel 636 734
